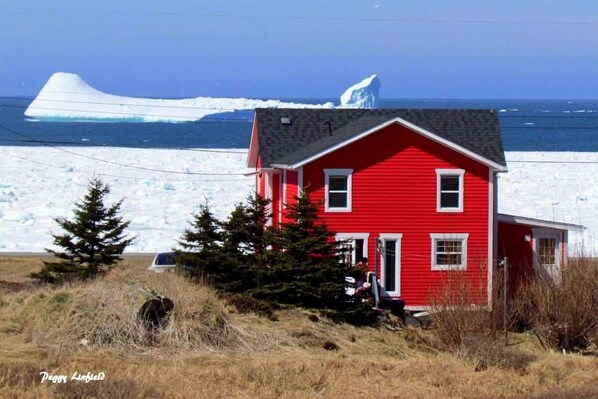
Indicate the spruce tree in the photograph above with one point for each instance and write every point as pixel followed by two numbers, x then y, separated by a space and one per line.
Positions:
pixel 309 269
pixel 246 240
pixel 93 239
pixel 201 254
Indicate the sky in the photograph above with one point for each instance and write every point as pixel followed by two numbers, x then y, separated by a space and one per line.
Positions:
pixel 304 49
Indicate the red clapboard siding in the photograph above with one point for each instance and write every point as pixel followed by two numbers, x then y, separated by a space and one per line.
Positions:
pixel 276 198
pixel 394 191
pixel 512 244
pixel 290 189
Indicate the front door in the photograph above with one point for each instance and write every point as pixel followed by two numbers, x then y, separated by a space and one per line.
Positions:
pixel 547 252
pixel 390 262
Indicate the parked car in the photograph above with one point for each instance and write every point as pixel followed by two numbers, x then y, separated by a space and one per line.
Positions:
pixel 163 261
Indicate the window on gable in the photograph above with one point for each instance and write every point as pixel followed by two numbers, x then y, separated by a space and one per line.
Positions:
pixel 449 251
pixel 450 190
pixel 338 190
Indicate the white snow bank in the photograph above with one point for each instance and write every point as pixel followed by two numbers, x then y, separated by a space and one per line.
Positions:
pixel 363 94
pixel 66 96
pixel 37 184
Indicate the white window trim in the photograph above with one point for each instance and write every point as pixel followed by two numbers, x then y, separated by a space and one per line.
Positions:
pixel 449 172
pixel 397 237
pixel 547 233
pixel 355 236
pixel 338 172
pixel 449 236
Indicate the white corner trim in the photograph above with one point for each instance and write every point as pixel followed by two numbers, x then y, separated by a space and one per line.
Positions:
pixel 492 233
pixel 299 181
pixel 449 236
pixel 450 172
pixel 338 172
pixel 253 151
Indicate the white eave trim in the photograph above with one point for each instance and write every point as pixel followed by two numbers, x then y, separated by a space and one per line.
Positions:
pixel 252 154
pixel 409 125
pixel 501 217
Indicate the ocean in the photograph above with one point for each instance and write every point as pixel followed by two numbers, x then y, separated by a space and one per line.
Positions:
pixel 527 125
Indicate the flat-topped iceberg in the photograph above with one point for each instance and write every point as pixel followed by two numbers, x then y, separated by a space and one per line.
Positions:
pixel 67 97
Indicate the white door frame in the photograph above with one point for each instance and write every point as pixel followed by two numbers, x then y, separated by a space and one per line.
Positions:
pixel 395 237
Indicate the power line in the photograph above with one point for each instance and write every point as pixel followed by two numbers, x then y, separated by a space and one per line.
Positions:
pixel 41 141
pixel 216 151
pixel 552 162
pixel 126 165
pixel 308 17
pixel 224 109
pixel 526 127
pixel 192 119
pixel 34 161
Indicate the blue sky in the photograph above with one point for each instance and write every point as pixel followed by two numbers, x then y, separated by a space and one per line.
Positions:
pixel 312 48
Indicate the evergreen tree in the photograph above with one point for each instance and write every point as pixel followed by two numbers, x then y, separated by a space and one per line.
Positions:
pixel 94 238
pixel 246 240
pixel 308 269
pixel 201 253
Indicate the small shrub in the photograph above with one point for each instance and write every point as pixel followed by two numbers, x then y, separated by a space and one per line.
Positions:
pixel 563 314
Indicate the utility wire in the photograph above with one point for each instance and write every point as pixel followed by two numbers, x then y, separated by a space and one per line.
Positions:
pixel 34 161
pixel 307 17
pixel 216 151
pixel 554 162
pixel 224 109
pixel 191 118
pixel 126 165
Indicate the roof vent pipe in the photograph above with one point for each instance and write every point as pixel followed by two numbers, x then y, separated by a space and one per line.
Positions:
pixel 285 121
pixel 329 127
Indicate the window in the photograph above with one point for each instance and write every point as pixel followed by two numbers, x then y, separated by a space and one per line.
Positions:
pixel 449 251
pixel 391 263
pixel 450 190
pixel 356 244
pixel 547 251
pixel 338 190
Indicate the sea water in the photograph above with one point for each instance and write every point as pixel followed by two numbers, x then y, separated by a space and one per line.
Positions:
pixel 527 125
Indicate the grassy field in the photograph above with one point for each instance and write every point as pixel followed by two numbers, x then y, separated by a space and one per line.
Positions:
pixel 211 350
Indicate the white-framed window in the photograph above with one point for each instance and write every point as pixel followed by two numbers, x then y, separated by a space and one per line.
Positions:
pixel 547 247
pixel 449 190
pixel 338 190
pixel 390 271
pixel 357 246
pixel 449 251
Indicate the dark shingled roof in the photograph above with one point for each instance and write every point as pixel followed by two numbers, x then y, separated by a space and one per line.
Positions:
pixel 308 134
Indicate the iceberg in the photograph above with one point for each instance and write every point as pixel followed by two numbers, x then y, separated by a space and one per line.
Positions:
pixel 67 97
pixel 363 94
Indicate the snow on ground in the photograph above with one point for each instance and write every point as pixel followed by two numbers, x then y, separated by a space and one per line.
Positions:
pixel 68 96
pixel 37 184
pixel 556 186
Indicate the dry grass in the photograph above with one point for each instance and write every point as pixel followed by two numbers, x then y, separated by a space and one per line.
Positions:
pixel 211 351
pixel 17 270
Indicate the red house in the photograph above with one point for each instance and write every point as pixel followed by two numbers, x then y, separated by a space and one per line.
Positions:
pixel 414 190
